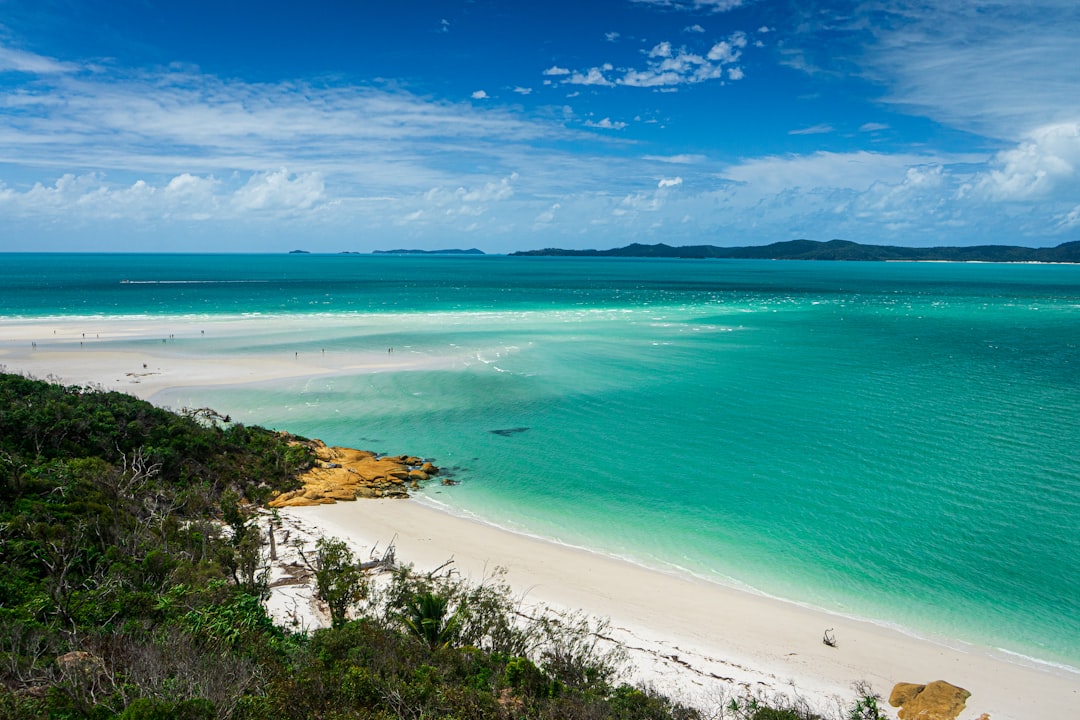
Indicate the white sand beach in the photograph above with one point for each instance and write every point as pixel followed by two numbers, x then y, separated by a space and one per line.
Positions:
pixel 729 638
pixel 693 638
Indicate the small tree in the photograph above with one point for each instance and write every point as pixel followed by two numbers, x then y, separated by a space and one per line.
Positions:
pixel 339 581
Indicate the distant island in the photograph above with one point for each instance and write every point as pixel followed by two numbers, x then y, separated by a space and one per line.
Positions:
pixel 452 251
pixel 833 250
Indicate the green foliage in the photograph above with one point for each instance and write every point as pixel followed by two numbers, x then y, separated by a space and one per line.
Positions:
pixel 147 709
pixel 339 581
pixel 767 713
pixel 866 705
pixel 426 618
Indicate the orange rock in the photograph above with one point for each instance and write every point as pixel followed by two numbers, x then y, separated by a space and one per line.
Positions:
pixel 938 700
pixel 346 474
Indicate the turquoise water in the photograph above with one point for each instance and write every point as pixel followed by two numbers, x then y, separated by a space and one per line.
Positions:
pixel 892 441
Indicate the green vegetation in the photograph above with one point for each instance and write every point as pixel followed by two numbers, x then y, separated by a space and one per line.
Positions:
pixel 133 577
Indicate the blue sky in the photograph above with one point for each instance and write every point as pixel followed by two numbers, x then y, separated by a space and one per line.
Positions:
pixel 350 125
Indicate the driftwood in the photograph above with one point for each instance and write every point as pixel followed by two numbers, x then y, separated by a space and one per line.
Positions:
pixel 386 561
pixel 829 638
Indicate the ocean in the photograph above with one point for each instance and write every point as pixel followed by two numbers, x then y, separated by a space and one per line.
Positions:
pixel 891 441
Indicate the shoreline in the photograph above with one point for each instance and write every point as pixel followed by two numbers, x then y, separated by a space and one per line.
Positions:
pixel 720 638
pixel 951 643
pixel 755 640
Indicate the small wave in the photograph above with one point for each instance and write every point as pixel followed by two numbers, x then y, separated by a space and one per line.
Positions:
pixel 1021 659
pixel 190 282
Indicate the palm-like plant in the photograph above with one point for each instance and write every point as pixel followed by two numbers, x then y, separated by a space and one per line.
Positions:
pixel 426 618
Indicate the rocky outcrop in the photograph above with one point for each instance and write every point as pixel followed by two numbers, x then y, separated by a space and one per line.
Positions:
pixel 938 700
pixel 345 474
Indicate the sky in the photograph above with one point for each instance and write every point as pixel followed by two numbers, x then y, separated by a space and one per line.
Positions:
pixel 355 125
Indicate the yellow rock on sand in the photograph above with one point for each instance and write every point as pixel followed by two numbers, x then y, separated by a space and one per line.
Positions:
pixel 344 473
pixel 938 700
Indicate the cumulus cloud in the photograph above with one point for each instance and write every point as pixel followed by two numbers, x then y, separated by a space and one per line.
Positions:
pixel 279 191
pixel 556 71
pixel 1044 163
pixel 606 124
pixel 183 197
pixel 667 66
pixel 479 95
pixel 669 182
pixel 471 200
pixel 592 76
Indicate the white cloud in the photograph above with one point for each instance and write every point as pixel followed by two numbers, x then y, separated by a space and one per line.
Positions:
pixel 669 182
pixel 605 124
pixel 694 29
pixel 668 67
pixel 27 62
pixel 279 191
pixel 611 36
pixel 556 71
pixel 592 76
pixel 820 129
pixel 854 171
pixel 547 216
pixel 1071 219
pixel 184 197
pixel 1044 163
pixel 873 127
pixel 685 159
pixel 479 95
pixel 998 69
pixel 728 51
pixel 715 6
pixel 522 90
pixel 661 50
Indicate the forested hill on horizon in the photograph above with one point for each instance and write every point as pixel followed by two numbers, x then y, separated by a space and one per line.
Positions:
pixel 833 250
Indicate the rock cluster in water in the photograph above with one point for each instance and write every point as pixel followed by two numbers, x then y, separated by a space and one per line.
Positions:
pixel 346 474
pixel 938 700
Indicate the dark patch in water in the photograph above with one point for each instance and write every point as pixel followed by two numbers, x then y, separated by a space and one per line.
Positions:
pixel 509 431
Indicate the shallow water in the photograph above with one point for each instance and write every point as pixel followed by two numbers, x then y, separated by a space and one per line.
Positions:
pixel 893 441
